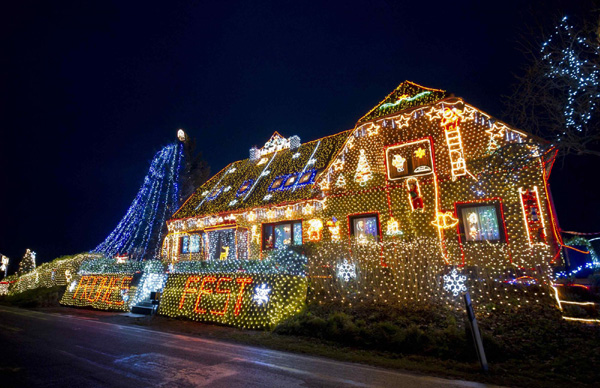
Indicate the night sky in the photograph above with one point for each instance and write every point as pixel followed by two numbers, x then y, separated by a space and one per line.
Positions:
pixel 89 91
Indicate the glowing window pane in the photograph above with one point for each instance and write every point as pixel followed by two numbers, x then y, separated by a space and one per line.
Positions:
pixel 185 244
pixel 298 233
pixel 480 223
pixel 283 236
pixel 194 244
pixel 365 228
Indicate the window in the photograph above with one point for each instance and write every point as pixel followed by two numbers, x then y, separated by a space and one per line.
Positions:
pixel 185 244
pixel 244 187
pixel 194 243
pixel 365 227
pixel 282 234
pixel 291 180
pixel 214 194
pixel 276 184
pixel 190 244
pixel 480 222
pixel 306 177
pixel 409 159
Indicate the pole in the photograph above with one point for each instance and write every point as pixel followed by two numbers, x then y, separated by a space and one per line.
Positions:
pixel 475 332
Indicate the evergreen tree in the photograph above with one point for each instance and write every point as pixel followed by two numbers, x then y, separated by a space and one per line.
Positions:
pixel 27 263
pixel 558 97
pixel 194 172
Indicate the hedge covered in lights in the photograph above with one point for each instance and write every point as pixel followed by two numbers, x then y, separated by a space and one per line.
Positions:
pixel 247 300
pixel 58 272
pixel 102 291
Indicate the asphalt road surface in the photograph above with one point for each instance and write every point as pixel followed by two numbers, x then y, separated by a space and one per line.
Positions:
pixel 50 350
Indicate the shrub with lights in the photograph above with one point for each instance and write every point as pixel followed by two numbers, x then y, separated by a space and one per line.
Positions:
pixel 111 284
pixel 247 294
pixel 58 272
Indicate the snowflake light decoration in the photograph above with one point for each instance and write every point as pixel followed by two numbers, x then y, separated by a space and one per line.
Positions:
pixel 261 294
pixel 455 283
pixel 346 270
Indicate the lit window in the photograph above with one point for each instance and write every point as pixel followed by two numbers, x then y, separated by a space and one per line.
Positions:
pixel 244 187
pixel 291 180
pixel 306 177
pixel 194 243
pixel 282 234
pixel 276 184
pixel 480 222
pixel 185 244
pixel 365 227
pixel 190 244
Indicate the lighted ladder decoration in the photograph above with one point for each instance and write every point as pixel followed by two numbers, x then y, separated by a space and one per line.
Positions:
pixel 451 123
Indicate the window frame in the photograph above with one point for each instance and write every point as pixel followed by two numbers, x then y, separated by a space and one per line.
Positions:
pixel 460 206
pixel 352 217
pixel 273 225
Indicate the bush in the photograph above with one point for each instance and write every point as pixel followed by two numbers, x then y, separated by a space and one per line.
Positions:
pixel 37 297
pixel 419 330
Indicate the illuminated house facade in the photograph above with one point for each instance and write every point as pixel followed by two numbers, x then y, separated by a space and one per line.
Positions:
pixel 420 164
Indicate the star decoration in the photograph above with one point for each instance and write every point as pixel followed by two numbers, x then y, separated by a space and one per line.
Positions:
pixel 420 152
pixel 288 212
pixel 403 121
pixel 338 164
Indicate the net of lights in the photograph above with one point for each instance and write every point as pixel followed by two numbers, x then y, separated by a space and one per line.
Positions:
pixel 103 291
pixel 426 203
pixel 314 155
pixel 277 262
pixel 55 273
pixel 106 265
pixel 246 300
pixel 444 156
pixel 149 282
pixel 415 272
pixel 143 222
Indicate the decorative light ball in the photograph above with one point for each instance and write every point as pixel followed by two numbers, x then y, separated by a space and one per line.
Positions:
pixel 181 135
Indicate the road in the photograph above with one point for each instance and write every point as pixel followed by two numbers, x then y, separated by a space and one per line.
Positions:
pixel 40 349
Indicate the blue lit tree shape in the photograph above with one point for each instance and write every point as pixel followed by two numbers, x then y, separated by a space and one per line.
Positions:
pixel 558 97
pixel 140 231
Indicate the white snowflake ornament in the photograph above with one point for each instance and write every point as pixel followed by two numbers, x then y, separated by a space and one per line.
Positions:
pixel 261 294
pixel 455 283
pixel 346 270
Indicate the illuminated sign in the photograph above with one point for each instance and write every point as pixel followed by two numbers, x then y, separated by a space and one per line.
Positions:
pixel 107 292
pixel 409 159
pixel 243 300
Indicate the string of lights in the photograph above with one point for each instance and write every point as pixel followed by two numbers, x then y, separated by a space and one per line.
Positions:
pixel 144 221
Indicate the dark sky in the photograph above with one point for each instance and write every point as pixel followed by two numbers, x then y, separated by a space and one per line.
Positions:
pixel 89 91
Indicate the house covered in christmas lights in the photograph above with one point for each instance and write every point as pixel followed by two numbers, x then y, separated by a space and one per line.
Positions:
pixel 422 163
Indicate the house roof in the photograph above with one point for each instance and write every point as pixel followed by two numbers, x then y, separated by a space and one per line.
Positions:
pixel 407 95
pixel 249 183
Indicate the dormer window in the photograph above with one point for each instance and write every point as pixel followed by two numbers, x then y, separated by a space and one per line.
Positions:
pixel 245 187
pixel 214 194
pixel 276 184
pixel 291 180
